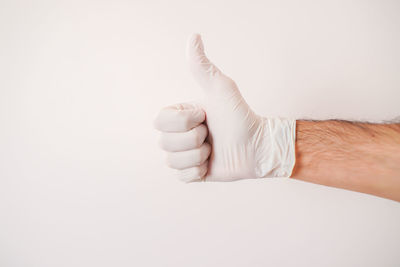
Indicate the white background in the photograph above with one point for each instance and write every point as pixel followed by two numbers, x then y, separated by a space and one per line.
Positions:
pixel 82 181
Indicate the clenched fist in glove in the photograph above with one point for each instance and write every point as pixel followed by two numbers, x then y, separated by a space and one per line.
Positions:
pixel 220 138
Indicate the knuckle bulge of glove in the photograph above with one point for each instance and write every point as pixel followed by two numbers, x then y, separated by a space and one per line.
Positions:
pixel 194 117
pixel 194 173
pixel 179 118
pixel 175 142
pixel 197 136
pixel 190 158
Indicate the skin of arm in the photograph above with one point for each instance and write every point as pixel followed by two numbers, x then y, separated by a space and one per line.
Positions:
pixel 362 157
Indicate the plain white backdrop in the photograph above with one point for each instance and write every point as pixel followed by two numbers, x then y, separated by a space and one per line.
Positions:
pixel 82 181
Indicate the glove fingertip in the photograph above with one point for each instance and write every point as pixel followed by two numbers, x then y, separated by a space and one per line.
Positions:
pixel 194 47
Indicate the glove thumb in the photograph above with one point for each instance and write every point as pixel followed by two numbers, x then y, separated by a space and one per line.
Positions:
pixel 205 72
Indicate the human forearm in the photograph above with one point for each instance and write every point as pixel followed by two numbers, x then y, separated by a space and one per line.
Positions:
pixel 362 157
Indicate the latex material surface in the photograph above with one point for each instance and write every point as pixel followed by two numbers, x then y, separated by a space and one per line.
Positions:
pixel 240 143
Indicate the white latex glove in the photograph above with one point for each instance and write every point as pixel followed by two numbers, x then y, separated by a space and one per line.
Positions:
pixel 240 144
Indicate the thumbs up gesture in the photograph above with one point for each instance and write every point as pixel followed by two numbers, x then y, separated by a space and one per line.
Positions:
pixel 220 138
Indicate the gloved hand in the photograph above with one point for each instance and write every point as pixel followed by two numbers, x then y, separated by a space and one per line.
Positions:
pixel 240 144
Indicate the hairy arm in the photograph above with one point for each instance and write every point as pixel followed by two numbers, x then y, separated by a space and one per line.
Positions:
pixel 362 157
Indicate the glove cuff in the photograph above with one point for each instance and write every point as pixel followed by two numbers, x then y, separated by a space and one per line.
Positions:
pixel 275 155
